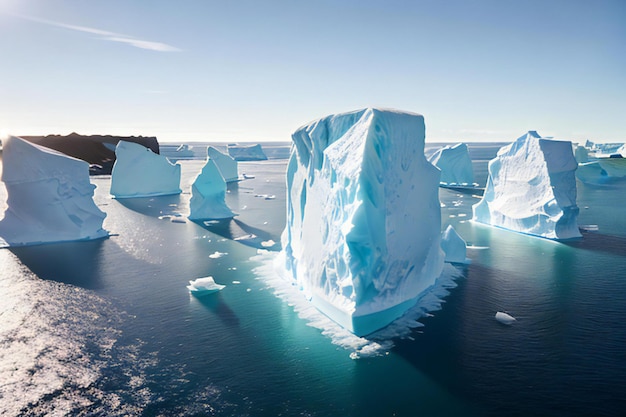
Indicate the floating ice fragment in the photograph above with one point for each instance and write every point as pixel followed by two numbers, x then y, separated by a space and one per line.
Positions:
pixel 504 318
pixel 203 286
pixel 208 195
pixel 178 220
pixel 216 255
pixel 268 243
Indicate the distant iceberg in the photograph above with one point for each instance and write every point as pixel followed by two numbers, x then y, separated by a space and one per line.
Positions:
pixel 531 188
pixel 455 165
pixel 50 198
pixel 139 172
pixel 246 152
pixel 225 164
pixel 362 239
pixel 208 195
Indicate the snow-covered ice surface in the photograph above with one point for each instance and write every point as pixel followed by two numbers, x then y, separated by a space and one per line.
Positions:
pixel 139 172
pixel 50 198
pixel 362 238
pixel 531 189
pixel 225 164
pixel 455 164
pixel 208 195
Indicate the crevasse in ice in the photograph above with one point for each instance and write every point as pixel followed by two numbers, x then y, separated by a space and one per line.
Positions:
pixel 50 198
pixel 208 195
pixel 531 188
pixel 455 164
pixel 139 172
pixel 225 164
pixel 362 238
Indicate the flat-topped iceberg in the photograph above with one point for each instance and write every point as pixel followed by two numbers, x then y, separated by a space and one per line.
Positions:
pixel 139 172
pixel 531 188
pixel 50 198
pixel 247 152
pixel 225 164
pixel 455 164
pixel 208 195
pixel 362 238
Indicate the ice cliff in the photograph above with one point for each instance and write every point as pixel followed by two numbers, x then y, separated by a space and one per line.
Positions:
pixel 455 164
pixel 139 172
pixel 50 198
pixel 362 238
pixel 225 164
pixel 531 188
pixel 208 195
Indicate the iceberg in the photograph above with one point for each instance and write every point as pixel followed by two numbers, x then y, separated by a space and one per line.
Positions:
pixel 204 286
pixel 454 246
pixel 531 188
pixel 362 239
pixel 505 318
pixel 208 195
pixel 50 198
pixel 247 152
pixel 455 164
pixel 139 172
pixel 225 164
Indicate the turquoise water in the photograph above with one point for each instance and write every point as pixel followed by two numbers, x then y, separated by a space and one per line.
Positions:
pixel 108 327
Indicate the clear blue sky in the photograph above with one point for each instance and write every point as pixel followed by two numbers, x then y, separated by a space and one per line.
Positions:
pixel 256 70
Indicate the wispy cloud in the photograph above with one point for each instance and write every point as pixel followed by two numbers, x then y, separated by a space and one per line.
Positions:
pixel 106 35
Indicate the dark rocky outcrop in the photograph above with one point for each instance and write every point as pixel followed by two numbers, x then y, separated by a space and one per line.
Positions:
pixel 97 150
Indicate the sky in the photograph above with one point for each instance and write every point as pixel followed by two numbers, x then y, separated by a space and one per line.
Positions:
pixel 255 71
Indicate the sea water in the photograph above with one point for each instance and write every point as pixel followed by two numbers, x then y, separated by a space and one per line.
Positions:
pixel 108 327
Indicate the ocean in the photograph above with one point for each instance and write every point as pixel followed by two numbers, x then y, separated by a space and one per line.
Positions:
pixel 108 328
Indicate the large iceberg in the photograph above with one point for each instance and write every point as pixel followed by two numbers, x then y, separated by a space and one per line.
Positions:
pixel 362 238
pixel 139 172
pixel 208 195
pixel 455 164
pixel 50 198
pixel 247 152
pixel 225 164
pixel 531 188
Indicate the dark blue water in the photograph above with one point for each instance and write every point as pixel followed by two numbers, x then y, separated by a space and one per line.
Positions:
pixel 108 327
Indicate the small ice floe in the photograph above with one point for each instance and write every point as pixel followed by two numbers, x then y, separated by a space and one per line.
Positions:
pixel 270 197
pixel 260 195
pixel 268 243
pixel 178 220
pixel 589 227
pixel 248 176
pixel 504 318
pixel 216 255
pixel 203 286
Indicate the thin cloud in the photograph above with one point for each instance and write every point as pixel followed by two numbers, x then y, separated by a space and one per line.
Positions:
pixel 109 36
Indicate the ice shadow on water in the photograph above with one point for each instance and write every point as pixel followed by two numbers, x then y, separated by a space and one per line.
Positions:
pixel 152 206
pixel 75 263
pixel 215 303
pixel 243 233
pixel 599 242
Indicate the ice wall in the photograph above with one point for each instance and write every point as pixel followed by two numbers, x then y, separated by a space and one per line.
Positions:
pixel 362 238
pixel 531 188
pixel 455 164
pixel 225 164
pixel 50 198
pixel 208 195
pixel 139 172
